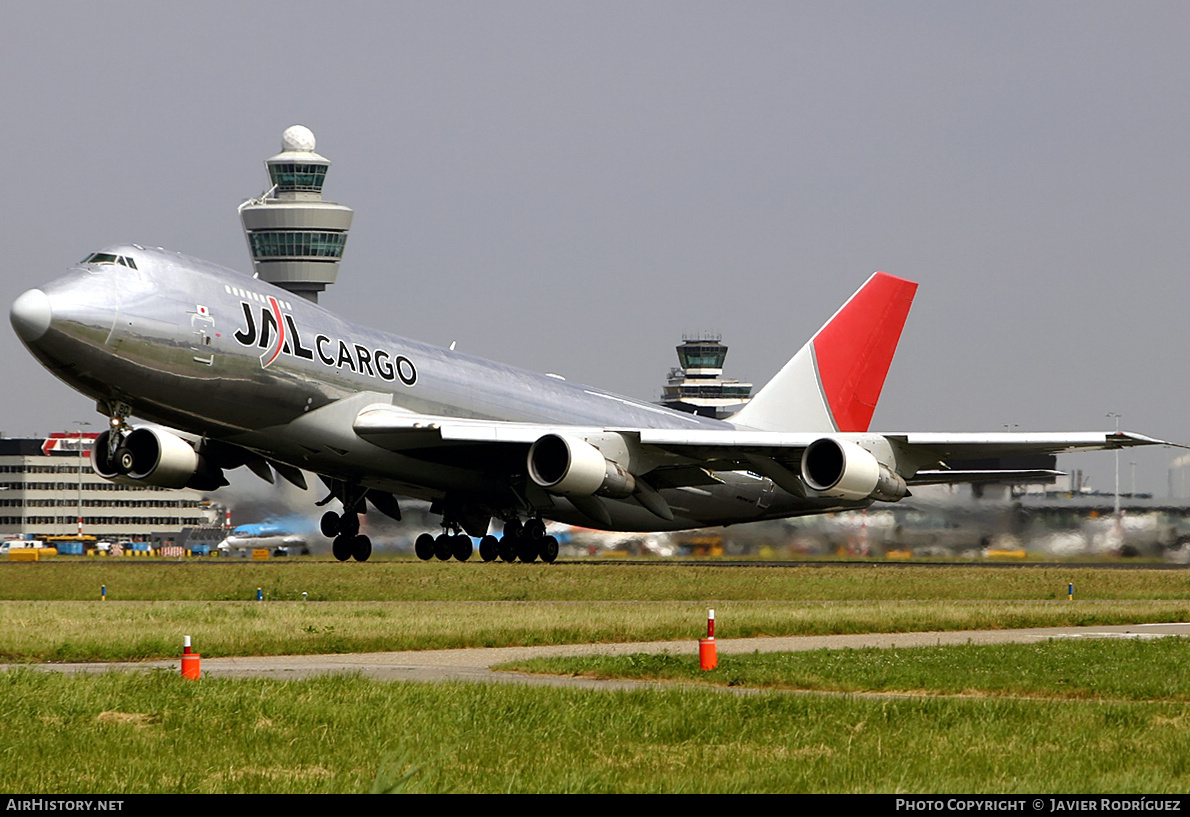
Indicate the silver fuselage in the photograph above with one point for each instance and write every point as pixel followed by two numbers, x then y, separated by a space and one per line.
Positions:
pixel 212 352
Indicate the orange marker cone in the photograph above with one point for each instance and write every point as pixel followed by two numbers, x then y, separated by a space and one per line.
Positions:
pixel 190 661
pixel 708 657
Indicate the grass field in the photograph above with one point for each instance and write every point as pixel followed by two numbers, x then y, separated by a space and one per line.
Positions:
pixel 394 580
pixel 1103 716
pixel 1101 669
pixel 154 732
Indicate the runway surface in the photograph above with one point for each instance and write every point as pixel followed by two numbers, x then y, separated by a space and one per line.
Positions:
pixel 476 664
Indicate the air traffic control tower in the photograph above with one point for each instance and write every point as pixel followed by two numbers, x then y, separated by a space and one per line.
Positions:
pixel 699 387
pixel 296 239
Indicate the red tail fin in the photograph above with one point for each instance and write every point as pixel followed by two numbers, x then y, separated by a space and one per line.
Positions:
pixel 855 348
pixel 834 381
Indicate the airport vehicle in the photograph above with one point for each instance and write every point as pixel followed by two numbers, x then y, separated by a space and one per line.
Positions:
pixel 232 371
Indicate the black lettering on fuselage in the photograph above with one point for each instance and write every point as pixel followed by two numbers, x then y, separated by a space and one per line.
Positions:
pixel 384 367
pixel 336 354
pixel 365 360
pixel 247 336
pixel 345 357
pixel 298 349
pixel 406 370
pixel 268 325
pixel 322 355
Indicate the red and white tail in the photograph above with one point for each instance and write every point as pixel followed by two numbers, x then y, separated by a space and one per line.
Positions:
pixel 834 381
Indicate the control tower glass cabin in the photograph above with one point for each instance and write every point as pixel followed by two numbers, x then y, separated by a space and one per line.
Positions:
pixel 296 239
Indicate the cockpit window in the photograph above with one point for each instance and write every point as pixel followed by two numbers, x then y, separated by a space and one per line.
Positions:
pixel 109 258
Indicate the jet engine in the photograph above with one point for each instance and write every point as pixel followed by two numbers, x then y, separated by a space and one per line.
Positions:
pixel 572 467
pixel 842 469
pixel 153 456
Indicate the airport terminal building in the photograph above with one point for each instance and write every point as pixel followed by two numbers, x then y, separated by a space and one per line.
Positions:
pixel 47 486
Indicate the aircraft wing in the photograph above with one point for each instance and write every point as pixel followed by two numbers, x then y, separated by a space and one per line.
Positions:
pixel 923 458
pixel 691 456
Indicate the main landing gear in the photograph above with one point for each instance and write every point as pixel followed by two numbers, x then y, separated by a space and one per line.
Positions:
pixel 528 543
pixel 348 542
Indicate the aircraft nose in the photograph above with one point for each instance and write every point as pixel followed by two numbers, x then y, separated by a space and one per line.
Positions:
pixel 31 315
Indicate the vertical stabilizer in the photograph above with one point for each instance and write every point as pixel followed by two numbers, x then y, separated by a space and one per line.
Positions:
pixel 834 381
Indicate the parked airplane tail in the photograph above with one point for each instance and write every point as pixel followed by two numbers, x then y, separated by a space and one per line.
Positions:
pixel 834 381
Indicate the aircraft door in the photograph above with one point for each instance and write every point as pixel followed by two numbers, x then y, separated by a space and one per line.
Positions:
pixel 202 326
pixel 766 494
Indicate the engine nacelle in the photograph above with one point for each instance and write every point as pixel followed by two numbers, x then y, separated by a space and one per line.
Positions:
pixel 842 469
pixel 572 467
pixel 153 456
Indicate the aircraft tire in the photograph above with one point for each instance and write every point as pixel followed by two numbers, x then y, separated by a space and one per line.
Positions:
pixel 124 459
pixel 549 549
pixel 461 548
pixel 527 549
pixel 341 548
pixel 489 548
pixel 510 544
pixel 361 548
pixel 424 547
pixel 535 530
pixel 443 547
pixel 329 524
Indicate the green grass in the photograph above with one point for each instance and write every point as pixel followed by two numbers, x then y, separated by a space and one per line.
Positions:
pixel 111 631
pixel 393 580
pixel 153 732
pixel 1079 716
pixel 1130 669
pixel 50 611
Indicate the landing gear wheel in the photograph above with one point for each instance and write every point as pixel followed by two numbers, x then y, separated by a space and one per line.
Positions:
pixel 329 524
pixel 349 524
pixel 549 549
pixel 361 548
pixel 341 547
pixel 461 547
pixel 529 547
pixel 424 547
pixel 509 544
pixel 443 547
pixel 489 548
pixel 526 549
pixel 124 460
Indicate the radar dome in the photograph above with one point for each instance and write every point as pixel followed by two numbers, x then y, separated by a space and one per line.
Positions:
pixel 298 137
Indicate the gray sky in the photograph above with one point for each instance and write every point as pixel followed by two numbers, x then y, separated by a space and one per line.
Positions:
pixel 571 186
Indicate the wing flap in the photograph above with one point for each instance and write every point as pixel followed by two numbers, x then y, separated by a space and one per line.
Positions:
pixel 1017 475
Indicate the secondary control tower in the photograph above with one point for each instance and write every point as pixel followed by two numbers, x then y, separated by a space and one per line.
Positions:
pixel 296 239
pixel 699 387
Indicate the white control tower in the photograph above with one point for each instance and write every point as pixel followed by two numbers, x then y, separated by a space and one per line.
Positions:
pixel 296 239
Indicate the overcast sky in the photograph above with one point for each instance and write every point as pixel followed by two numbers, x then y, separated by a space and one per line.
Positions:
pixel 572 186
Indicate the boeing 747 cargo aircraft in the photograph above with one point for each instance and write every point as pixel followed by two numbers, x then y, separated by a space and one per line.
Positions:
pixel 228 370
